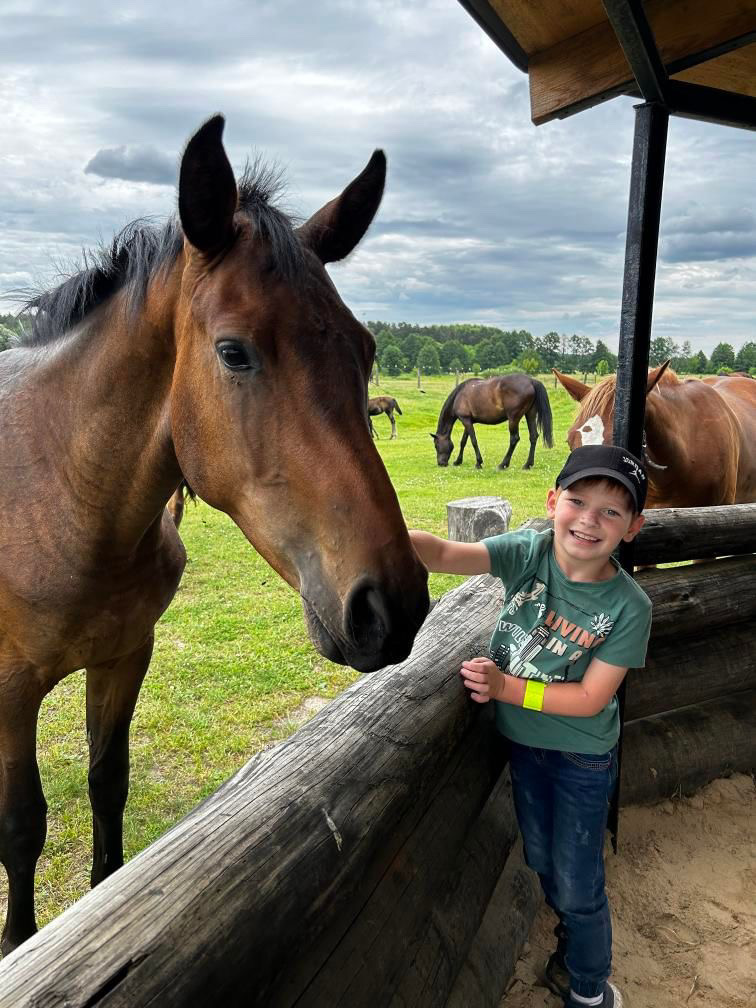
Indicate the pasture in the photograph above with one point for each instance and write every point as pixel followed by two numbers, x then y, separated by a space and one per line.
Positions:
pixel 233 667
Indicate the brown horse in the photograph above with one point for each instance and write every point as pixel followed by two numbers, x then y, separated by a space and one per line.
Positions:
pixel 492 401
pixel 217 349
pixel 383 404
pixel 700 437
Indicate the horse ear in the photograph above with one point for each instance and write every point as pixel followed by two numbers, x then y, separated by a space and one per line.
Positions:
pixel 576 389
pixel 337 227
pixel 655 375
pixel 435 437
pixel 207 189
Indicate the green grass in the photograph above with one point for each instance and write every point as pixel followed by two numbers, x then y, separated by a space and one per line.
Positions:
pixel 233 664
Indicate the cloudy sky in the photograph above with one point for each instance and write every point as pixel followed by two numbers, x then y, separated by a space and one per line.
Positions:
pixel 486 218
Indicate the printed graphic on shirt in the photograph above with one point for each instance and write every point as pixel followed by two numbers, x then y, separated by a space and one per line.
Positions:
pixel 519 653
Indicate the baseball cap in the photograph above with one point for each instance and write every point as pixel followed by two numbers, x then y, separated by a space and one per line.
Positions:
pixel 610 461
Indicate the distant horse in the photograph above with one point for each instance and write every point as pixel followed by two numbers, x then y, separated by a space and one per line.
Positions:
pixel 383 404
pixel 216 349
pixel 492 401
pixel 700 437
pixel 175 506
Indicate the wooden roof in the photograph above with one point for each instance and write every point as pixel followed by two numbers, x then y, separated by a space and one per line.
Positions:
pixel 574 59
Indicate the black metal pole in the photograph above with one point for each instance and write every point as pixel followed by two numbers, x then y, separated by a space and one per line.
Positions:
pixel 646 180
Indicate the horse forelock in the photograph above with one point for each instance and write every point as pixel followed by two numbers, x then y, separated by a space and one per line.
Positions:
pixel 138 253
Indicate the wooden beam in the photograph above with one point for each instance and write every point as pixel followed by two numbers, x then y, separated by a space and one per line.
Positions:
pixel 590 67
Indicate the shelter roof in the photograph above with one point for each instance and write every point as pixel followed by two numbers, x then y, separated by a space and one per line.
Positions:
pixel 572 54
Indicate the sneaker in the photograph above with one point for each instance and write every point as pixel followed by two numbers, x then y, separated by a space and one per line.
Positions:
pixel 612 999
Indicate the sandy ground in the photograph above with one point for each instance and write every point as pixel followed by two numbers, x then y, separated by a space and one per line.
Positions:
pixel 683 896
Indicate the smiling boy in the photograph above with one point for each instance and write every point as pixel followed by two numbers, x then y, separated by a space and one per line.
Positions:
pixel 572 624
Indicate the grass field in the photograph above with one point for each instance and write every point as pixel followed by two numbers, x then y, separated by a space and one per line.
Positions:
pixel 233 664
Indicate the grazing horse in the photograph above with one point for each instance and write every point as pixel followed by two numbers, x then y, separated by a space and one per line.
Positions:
pixel 700 437
pixel 214 349
pixel 492 401
pixel 383 404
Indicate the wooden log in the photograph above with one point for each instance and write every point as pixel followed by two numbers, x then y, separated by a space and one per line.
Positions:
pixel 225 907
pixel 488 970
pixel 713 594
pixel 670 535
pixel 461 901
pixel 473 518
pixel 367 963
pixel 690 670
pixel 673 535
pixel 679 752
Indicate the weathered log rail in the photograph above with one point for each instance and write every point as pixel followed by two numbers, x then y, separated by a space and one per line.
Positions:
pixel 371 859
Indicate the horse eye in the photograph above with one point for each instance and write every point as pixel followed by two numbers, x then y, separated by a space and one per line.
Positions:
pixel 235 356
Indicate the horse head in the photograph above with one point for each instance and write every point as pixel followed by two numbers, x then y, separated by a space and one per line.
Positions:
pixel 267 403
pixel 595 420
pixel 444 448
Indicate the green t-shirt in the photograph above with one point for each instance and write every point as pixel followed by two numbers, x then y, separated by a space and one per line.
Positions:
pixel 550 628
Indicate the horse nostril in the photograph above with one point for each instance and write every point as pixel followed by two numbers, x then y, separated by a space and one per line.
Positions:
pixel 367 620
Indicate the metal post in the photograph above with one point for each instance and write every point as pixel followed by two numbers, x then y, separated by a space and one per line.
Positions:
pixel 646 180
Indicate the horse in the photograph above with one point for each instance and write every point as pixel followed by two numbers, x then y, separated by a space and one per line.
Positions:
pixel 383 404
pixel 492 401
pixel 216 349
pixel 699 436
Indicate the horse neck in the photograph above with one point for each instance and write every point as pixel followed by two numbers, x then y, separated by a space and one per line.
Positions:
pixel 108 383
pixel 447 417
pixel 663 445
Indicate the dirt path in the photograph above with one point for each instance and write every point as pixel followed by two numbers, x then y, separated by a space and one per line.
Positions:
pixel 683 898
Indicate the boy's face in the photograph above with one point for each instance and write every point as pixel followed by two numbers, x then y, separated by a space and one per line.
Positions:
pixel 591 519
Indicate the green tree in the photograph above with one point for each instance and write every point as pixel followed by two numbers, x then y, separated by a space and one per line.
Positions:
pixel 662 348
pixel 450 351
pixel 603 353
pixel 746 358
pixel 547 347
pixel 392 360
pixel 722 356
pixel 529 363
pixel 427 359
pixel 602 368
pixel 698 363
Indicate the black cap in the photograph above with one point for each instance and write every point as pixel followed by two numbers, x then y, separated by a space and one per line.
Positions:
pixel 609 461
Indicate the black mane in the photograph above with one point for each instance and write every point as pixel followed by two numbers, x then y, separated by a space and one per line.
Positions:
pixel 142 249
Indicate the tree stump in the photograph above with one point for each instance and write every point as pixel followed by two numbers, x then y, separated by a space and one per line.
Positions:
pixel 473 518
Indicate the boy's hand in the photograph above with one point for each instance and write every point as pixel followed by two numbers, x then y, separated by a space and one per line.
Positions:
pixel 484 679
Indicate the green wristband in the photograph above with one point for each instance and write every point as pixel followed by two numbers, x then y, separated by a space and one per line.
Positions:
pixel 533 698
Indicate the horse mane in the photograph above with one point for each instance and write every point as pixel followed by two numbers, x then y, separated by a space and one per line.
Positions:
pixel 138 253
pixel 602 395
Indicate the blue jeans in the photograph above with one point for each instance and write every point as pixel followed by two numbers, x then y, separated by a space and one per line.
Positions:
pixel 562 802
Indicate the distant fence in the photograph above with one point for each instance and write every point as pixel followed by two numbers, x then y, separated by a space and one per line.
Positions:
pixel 372 858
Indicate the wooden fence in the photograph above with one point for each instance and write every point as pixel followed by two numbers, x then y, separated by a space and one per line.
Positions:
pixel 372 858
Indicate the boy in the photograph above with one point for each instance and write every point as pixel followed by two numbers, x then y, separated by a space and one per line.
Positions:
pixel 573 622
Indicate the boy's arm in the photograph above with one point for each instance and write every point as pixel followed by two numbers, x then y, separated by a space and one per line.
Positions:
pixel 446 556
pixel 577 699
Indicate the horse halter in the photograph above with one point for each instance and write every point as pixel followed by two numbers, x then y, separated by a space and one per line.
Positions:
pixel 646 458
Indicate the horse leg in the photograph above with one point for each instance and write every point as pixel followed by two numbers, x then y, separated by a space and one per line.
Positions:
pixel 462 443
pixel 112 692
pixel 530 417
pixel 23 810
pixel 373 431
pixel 393 424
pixel 478 456
pixel 514 437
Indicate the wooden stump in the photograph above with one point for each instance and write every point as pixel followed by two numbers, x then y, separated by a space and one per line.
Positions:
pixel 473 518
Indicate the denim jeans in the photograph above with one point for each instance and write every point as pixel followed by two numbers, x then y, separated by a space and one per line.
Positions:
pixel 562 802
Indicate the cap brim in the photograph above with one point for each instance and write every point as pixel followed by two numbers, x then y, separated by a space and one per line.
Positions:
pixel 599 471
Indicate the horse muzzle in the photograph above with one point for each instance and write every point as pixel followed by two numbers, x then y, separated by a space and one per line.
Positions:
pixel 373 628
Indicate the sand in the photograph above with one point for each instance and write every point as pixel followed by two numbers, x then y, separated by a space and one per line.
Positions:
pixel 683 896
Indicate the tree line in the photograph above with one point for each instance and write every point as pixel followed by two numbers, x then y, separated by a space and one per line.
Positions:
pixel 441 349
pixel 476 349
